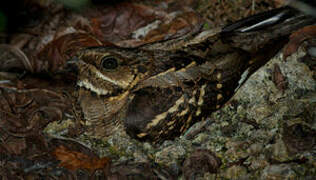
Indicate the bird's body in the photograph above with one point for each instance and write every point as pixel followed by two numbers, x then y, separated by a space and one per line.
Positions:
pixel 158 91
pixel 154 94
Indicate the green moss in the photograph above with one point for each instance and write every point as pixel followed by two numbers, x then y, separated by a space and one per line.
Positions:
pixel 206 26
pixel 116 151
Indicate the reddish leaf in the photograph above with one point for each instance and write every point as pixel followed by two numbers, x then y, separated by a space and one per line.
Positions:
pixel 115 23
pixel 74 160
pixel 57 52
pixel 297 38
pixel 132 24
pixel 28 111
pixel 177 26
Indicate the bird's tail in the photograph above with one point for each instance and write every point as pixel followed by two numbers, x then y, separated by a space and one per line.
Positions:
pixel 254 32
pixel 263 35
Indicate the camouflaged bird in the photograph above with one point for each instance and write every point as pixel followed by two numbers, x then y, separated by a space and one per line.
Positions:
pixel 157 91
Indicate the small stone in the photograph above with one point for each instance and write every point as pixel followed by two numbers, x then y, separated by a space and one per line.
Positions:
pixel 235 172
pixel 281 171
pixel 258 163
pixel 202 137
pixel 174 152
pixel 200 162
pixel 262 111
pixel 236 150
pixel 255 148
pixel 147 146
pixel 279 151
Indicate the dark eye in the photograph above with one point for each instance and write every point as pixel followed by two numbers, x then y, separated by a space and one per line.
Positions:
pixel 109 63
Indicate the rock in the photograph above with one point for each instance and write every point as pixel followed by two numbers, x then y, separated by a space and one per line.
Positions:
pixel 171 156
pixel 200 162
pixel 235 172
pixel 276 172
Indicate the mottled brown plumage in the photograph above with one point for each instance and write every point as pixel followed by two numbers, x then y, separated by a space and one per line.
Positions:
pixel 158 91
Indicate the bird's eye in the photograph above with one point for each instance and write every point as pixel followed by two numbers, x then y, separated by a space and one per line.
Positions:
pixel 109 63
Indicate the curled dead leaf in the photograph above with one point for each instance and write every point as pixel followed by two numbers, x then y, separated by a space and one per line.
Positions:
pixel 178 24
pixel 74 160
pixel 132 25
pixel 115 23
pixel 28 111
pixel 53 57
pixel 297 38
pixel 12 58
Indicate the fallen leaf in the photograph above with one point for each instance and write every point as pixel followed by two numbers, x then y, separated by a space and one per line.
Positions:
pixel 53 57
pixel 115 23
pixel 28 111
pixel 74 160
pixel 297 38
pixel 179 24
pixel 13 145
pixel 131 24
pixel 12 58
pixel 278 78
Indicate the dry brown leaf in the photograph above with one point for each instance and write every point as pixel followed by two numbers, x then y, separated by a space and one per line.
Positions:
pixel 297 38
pixel 116 22
pixel 28 111
pixel 133 24
pixel 14 145
pixel 74 160
pixel 56 53
pixel 13 58
pixel 182 23
pixel 278 78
